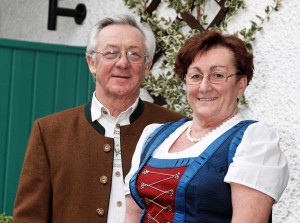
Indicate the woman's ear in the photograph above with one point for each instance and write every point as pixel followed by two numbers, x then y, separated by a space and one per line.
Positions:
pixel 242 86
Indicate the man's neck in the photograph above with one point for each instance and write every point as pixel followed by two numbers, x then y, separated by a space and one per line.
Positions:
pixel 116 105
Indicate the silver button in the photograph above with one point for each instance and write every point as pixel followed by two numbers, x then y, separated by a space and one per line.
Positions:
pixel 100 212
pixel 117 173
pixel 103 179
pixel 106 148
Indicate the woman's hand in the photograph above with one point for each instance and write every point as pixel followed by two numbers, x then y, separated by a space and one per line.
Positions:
pixel 133 212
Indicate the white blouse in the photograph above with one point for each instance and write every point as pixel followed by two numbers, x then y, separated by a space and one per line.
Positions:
pixel 258 162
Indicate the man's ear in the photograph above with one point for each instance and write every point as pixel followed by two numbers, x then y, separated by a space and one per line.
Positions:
pixel 91 63
pixel 148 68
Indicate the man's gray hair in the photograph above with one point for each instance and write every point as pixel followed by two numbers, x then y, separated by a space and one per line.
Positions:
pixel 124 19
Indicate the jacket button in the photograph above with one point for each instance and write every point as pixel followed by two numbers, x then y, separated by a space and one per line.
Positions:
pixel 106 148
pixel 100 212
pixel 103 179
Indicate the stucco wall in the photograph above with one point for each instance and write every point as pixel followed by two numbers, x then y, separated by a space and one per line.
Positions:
pixel 273 95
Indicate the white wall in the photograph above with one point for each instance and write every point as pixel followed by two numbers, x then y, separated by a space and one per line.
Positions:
pixel 273 95
pixel 27 20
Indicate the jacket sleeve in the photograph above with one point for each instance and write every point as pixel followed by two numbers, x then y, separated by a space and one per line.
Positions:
pixel 34 195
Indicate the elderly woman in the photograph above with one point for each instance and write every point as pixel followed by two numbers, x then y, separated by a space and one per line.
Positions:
pixel 219 166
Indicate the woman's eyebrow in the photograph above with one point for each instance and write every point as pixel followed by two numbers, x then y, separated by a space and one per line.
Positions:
pixel 217 66
pixel 194 68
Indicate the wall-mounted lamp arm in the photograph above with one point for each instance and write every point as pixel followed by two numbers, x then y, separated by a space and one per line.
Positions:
pixel 79 13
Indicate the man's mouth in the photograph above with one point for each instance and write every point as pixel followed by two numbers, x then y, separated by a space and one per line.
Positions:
pixel 120 76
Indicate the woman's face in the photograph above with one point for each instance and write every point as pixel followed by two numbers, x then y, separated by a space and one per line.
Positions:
pixel 215 102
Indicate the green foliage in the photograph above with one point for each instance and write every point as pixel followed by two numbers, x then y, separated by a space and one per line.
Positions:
pixel 5 219
pixel 171 34
pixel 248 34
pixel 232 7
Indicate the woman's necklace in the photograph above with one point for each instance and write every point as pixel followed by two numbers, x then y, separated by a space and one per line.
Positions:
pixel 191 139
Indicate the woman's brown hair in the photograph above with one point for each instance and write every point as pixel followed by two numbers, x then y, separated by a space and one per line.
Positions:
pixel 204 41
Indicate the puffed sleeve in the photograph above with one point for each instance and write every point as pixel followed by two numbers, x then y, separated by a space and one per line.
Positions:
pixel 259 163
pixel 33 199
pixel 137 153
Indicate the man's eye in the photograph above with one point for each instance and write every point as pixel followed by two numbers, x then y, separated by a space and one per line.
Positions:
pixel 133 54
pixel 111 52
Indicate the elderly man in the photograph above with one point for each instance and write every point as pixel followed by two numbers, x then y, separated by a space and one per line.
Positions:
pixel 76 160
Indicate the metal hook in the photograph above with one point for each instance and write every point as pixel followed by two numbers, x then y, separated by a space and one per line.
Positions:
pixel 79 13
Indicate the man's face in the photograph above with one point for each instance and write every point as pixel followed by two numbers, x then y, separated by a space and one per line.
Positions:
pixel 119 79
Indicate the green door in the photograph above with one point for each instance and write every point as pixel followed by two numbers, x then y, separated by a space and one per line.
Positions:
pixel 35 80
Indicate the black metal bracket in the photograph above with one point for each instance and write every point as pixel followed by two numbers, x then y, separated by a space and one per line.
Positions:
pixel 79 13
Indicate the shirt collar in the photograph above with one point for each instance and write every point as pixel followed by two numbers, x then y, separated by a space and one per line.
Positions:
pixel 98 110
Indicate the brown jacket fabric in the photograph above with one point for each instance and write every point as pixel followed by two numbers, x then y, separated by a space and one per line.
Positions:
pixel 67 170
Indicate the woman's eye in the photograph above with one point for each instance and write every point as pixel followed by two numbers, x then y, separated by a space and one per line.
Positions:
pixel 196 76
pixel 218 75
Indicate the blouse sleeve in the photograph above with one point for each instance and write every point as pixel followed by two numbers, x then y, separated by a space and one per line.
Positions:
pixel 259 163
pixel 135 162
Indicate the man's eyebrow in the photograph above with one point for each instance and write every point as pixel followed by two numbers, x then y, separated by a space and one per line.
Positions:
pixel 117 47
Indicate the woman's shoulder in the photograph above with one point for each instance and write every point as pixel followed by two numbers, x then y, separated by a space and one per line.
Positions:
pixel 257 127
pixel 262 130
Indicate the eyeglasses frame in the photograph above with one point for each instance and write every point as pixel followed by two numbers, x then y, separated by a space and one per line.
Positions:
pixel 117 59
pixel 208 76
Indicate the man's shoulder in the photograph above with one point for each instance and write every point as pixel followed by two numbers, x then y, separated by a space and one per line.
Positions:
pixel 158 110
pixel 150 105
pixel 64 115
